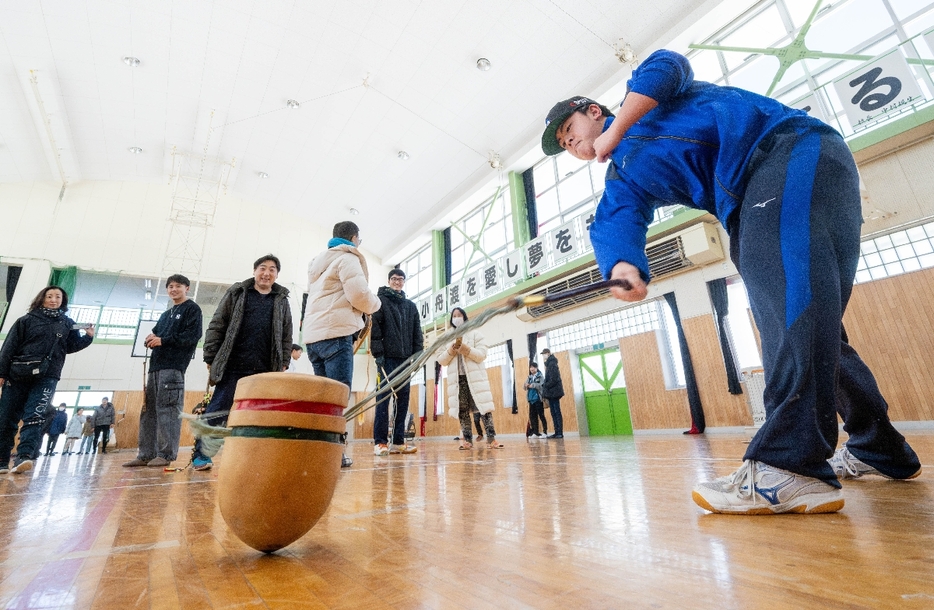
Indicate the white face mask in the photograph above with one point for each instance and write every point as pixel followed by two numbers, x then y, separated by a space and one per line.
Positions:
pixel 457 321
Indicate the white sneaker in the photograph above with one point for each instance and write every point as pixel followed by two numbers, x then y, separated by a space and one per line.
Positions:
pixel 760 489
pixel 847 466
pixel 381 450
pixel 406 449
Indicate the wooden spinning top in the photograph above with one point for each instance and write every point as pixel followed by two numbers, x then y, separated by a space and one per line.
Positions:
pixel 283 457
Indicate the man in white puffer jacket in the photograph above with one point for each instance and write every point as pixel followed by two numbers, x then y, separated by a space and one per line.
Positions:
pixel 338 296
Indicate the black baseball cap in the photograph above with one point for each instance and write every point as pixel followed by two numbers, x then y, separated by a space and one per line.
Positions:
pixel 559 113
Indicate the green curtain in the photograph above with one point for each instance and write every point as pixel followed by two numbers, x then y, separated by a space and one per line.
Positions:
pixel 67 278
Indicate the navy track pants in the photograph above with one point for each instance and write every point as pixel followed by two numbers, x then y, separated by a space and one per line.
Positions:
pixel 796 246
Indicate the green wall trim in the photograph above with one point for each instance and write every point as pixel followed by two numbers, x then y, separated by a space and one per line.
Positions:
pixel 437 260
pixel 892 129
pixel 520 230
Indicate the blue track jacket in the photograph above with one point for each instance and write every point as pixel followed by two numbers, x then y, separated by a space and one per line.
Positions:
pixel 693 149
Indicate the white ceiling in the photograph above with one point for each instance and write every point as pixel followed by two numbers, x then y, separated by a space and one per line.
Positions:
pixel 242 59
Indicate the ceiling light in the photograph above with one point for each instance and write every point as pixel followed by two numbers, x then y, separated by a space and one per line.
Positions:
pixel 263 175
pixel 625 53
pixel 135 150
pixel 292 104
pixel 149 295
pixel 354 211
pixel 133 62
pixel 483 64
pixel 403 156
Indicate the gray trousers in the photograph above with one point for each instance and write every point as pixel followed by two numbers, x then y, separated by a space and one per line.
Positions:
pixel 159 423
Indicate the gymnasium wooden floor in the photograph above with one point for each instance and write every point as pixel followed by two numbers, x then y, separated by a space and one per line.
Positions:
pixel 579 523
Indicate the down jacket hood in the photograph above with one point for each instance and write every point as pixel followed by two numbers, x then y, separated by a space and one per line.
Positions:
pixel 338 295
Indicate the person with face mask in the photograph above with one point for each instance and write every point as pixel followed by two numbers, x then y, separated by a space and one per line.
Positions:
pixel 468 386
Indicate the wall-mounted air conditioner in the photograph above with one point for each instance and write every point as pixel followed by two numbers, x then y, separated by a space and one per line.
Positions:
pixel 692 247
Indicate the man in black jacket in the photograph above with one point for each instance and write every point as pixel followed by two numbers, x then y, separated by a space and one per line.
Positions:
pixel 250 333
pixel 173 341
pixel 553 391
pixel 395 336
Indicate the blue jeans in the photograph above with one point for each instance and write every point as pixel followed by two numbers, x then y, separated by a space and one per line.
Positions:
pixel 333 358
pixel 381 423
pixel 29 401
pixel 221 402
pixel 159 423
pixel 86 443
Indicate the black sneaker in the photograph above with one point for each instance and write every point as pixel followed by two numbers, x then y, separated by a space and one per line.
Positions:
pixel 21 465
pixel 555 436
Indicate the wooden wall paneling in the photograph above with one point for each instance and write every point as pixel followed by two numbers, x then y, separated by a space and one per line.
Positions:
pixel 363 423
pixel 889 322
pixel 128 406
pixel 443 425
pixel 504 420
pixel 720 407
pixel 568 407
pixel 651 405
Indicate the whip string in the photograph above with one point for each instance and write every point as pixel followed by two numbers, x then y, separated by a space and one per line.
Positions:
pixel 403 373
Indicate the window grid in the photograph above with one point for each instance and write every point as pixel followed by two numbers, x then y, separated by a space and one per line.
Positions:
pixel 896 253
pixel 496 239
pixel 418 273
pixel 597 331
pixel 496 356
pixel 111 322
pixel 775 23
pixel 560 200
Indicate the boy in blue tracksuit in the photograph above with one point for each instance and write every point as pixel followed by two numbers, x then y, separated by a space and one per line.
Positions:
pixel 785 188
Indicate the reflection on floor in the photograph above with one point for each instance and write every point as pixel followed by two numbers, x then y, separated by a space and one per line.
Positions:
pixel 578 523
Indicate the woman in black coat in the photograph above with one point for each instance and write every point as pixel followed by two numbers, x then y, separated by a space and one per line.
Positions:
pixel 31 362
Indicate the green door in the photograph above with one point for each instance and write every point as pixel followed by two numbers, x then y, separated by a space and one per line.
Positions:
pixel 605 393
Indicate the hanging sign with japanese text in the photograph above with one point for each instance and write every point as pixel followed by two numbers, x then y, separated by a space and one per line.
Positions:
pixel 564 242
pixel 881 86
pixel 512 268
pixel 536 258
pixel 492 278
pixel 809 104
pixel 424 310
pixel 473 289
pixel 455 296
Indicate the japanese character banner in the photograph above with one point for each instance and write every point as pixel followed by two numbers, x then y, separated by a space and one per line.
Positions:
pixel 512 268
pixel 534 252
pixel 424 311
pixel 880 86
pixel 810 105
pixel 455 296
pixel 473 289
pixel 564 242
pixel 492 279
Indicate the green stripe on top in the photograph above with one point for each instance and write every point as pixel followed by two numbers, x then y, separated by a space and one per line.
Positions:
pixel 288 433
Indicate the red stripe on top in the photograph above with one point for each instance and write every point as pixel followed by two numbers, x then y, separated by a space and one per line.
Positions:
pixel 292 406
